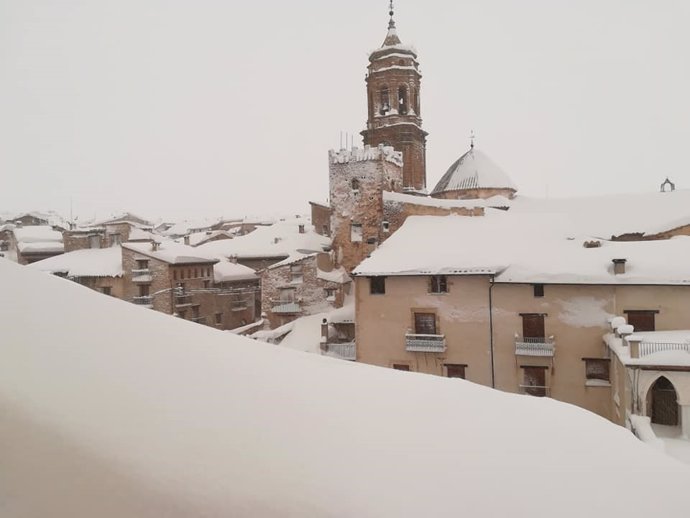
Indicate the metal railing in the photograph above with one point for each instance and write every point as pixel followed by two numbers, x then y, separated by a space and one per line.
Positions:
pixel 425 343
pixel 530 346
pixel 647 348
pixel 286 309
pixel 344 350
pixel 535 390
pixel 144 300
pixel 142 275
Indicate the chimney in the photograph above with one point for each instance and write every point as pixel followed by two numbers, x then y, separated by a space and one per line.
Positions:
pixel 634 342
pixel 233 259
pixel 155 245
pixel 186 240
pixel 301 229
pixel 619 266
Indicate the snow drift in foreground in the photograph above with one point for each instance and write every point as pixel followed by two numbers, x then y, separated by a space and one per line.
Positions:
pixel 112 410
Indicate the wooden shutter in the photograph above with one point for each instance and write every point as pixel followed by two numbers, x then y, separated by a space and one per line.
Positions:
pixel 456 371
pixel 533 326
pixel 642 320
pixel 425 323
pixel 535 381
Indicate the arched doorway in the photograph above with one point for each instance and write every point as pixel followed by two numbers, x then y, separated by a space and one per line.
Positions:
pixel 663 403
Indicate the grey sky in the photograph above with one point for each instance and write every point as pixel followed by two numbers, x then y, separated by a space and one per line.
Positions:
pixel 171 107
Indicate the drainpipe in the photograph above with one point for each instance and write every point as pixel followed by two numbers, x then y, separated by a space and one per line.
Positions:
pixel 491 332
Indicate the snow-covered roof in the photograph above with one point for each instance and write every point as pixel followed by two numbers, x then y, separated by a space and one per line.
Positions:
pixel 36 234
pixel 171 252
pixel 399 197
pixel 613 215
pixel 125 217
pixel 523 248
pixel 474 170
pixel 264 431
pixel 281 239
pixel 183 228
pixel 199 237
pixel 226 271
pixel 97 262
pixel 337 275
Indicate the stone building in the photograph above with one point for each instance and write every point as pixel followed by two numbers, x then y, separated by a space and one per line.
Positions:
pixel 394 107
pixel 302 286
pixel 35 243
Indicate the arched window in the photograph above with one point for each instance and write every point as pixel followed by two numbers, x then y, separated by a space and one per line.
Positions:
pixel 662 402
pixel 415 100
pixel 385 101
pixel 403 101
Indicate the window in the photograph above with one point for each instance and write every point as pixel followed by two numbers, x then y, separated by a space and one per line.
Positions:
pixel 106 290
pixel 94 241
pixel 354 183
pixel 424 323
pixel 439 284
pixel 377 285
pixel 455 371
pixel 401 367
pixel 533 325
pixel 219 318
pixel 386 227
pixel 330 294
pixel 142 264
pixel 403 106
pixel 144 290
pixel 356 232
pixel 287 295
pixel 642 320
pixel 385 102
pixel 296 274
pixel 115 239
pixel 597 370
pixel 174 275
pixel 534 381
pixel 207 284
pixel 538 290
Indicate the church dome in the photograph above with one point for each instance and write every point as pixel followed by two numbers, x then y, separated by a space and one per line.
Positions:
pixel 474 175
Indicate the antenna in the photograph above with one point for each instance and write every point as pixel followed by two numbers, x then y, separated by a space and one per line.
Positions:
pixel 472 137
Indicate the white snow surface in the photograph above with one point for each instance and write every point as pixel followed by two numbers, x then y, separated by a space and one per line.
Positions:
pixel 523 248
pixel 171 252
pixel 226 271
pixel 98 262
pixel 37 234
pixel 163 417
pixel 280 239
pixel 474 170
pixel 671 358
pixel 434 202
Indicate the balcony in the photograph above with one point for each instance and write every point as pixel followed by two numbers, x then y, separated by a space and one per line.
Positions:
pixel 544 347
pixel 142 275
pixel 289 308
pixel 144 300
pixel 184 301
pixel 342 351
pixel 647 348
pixel 425 343
pixel 198 320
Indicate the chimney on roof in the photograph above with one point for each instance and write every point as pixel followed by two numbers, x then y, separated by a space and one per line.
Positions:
pixel 301 229
pixel 619 266
pixel 233 259
pixel 186 240
pixel 155 245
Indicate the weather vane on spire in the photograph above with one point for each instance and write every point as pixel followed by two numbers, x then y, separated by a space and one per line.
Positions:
pixel 391 12
pixel 472 137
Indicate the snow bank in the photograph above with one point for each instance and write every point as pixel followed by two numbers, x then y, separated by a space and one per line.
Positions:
pixel 162 417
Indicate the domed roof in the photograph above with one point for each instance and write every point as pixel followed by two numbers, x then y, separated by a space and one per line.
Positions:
pixel 474 170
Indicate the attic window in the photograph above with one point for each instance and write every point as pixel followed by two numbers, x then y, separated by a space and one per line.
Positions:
pixel 538 290
pixel 439 284
pixel 377 285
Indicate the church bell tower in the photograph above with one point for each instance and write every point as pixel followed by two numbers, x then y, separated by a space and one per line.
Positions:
pixel 393 90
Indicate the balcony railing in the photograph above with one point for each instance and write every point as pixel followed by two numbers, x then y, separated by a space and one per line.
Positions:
pixel 343 351
pixel 425 343
pixel 144 300
pixel 198 320
pixel 535 346
pixel 647 348
pixel 184 300
pixel 142 275
pixel 289 308
pixel 535 390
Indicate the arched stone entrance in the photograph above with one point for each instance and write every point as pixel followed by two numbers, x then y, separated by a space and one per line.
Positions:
pixel 662 403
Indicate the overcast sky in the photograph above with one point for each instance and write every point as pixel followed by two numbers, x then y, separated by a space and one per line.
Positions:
pixel 217 107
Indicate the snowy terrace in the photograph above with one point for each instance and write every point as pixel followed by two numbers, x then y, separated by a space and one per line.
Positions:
pixel 263 431
pixel 653 348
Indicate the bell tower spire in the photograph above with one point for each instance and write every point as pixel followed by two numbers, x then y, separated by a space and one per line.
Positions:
pixel 394 117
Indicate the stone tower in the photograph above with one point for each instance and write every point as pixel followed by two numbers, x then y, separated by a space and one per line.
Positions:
pixel 393 86
pixel 358 178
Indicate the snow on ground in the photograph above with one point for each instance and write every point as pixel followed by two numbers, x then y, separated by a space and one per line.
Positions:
pixel 280 239
pixel 675 444
pixel 163 417
pixel 97 262
pixel 524 248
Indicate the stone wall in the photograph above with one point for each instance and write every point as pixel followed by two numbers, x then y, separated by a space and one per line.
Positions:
pixel 321 219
